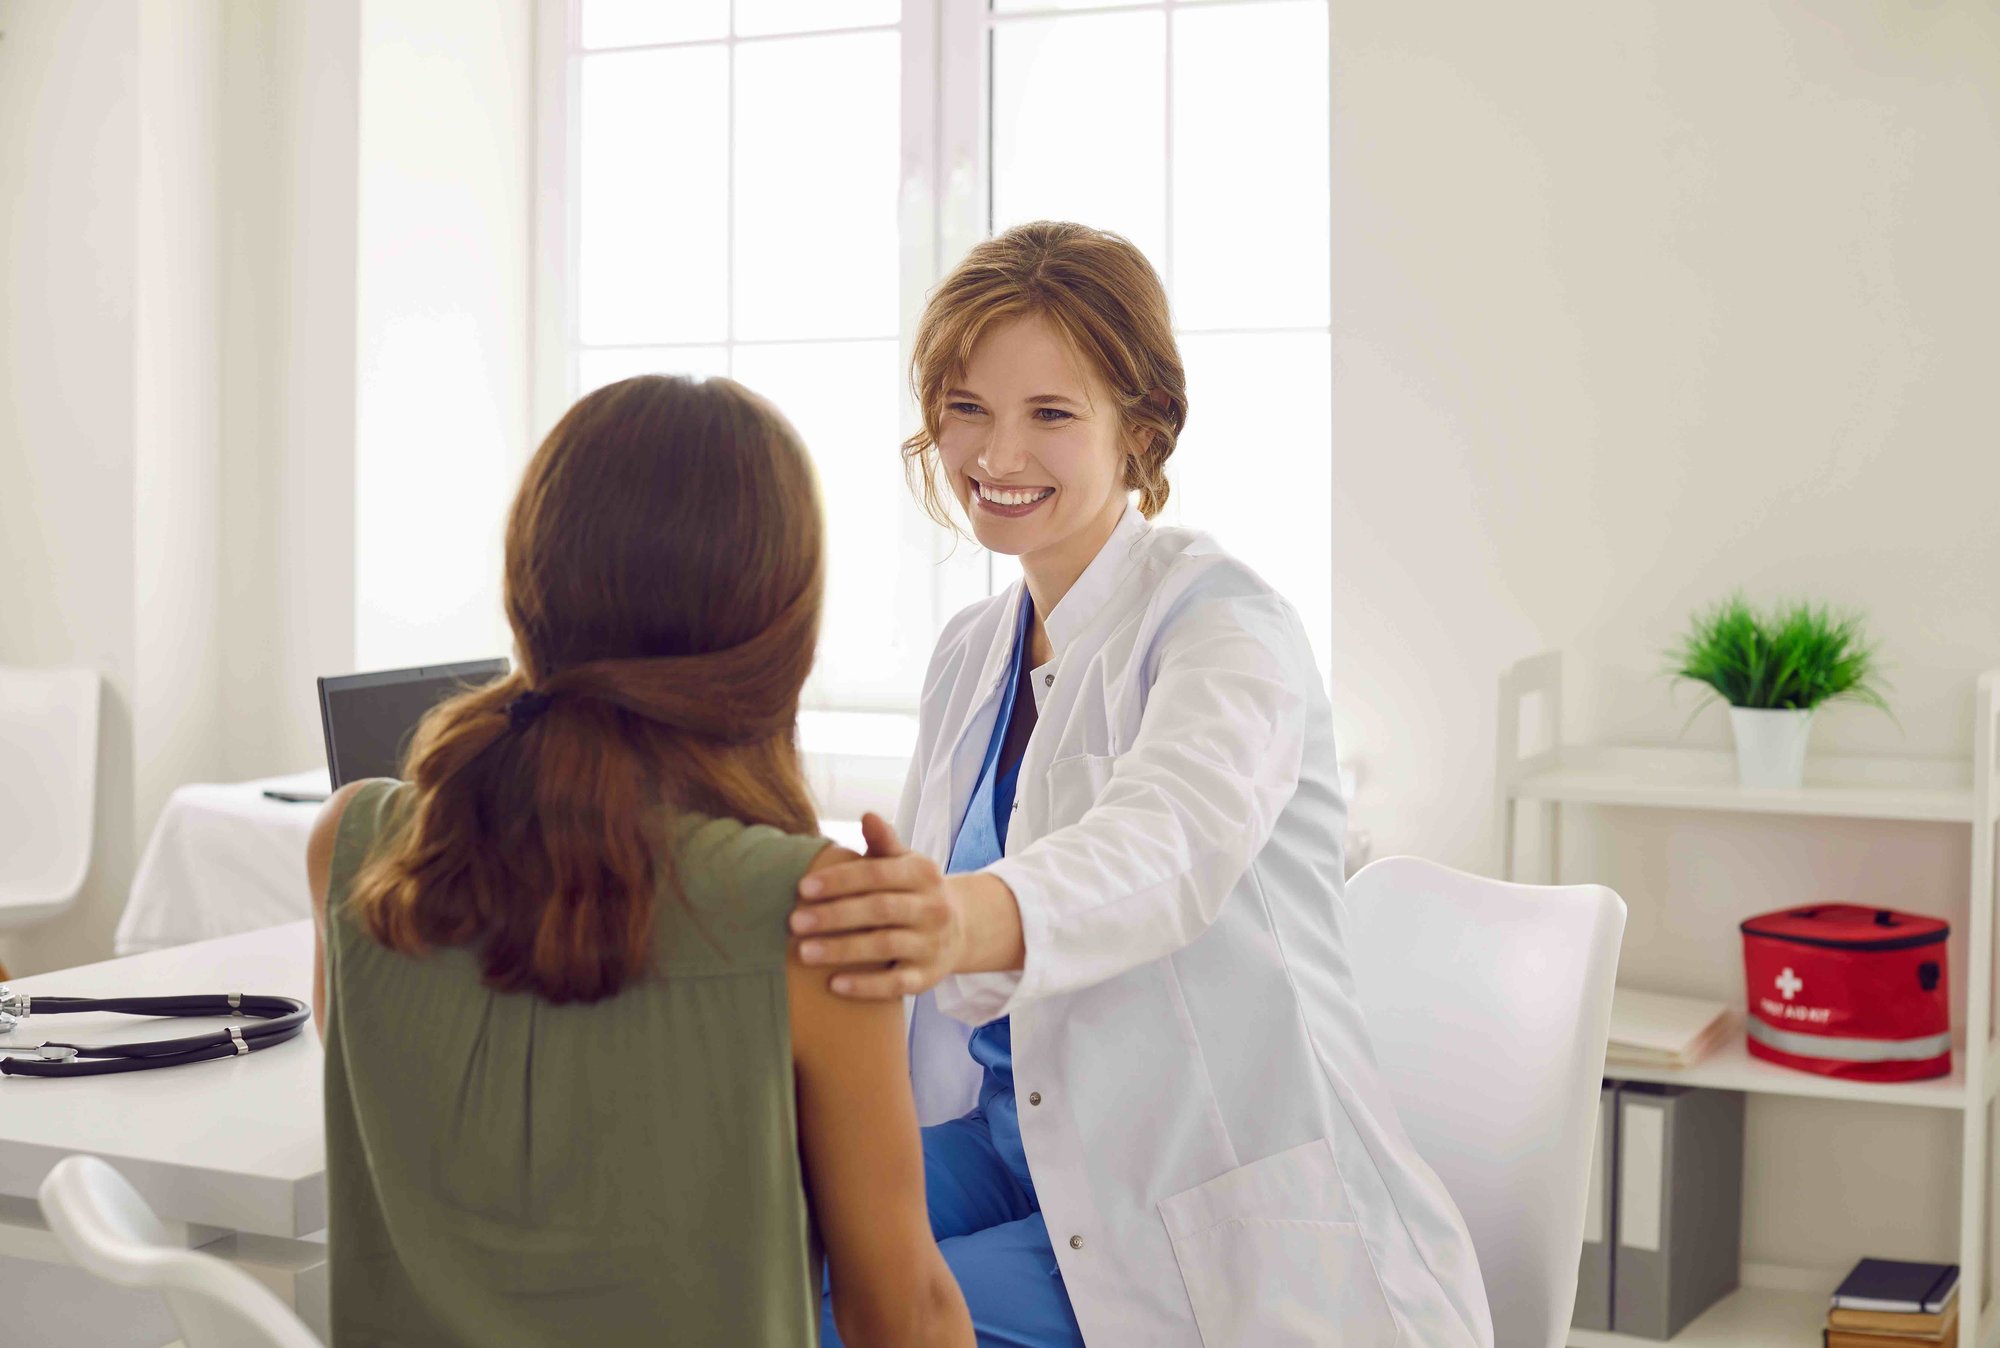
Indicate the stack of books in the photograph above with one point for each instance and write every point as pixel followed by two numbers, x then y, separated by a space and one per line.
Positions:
pixel 1886 1303
pixel 1654 1029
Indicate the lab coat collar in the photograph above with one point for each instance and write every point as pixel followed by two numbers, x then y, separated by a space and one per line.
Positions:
pixel 955 784
pixel 1097 583
pixel 1084 601
pixel 1000 653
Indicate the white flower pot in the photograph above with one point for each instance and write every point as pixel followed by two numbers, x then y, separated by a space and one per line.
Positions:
pixel 1771 746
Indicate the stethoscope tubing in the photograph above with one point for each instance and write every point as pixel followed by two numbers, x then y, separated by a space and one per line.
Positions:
pixel 267 1022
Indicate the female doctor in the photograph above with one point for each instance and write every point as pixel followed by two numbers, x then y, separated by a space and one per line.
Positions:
pixel 1156 1118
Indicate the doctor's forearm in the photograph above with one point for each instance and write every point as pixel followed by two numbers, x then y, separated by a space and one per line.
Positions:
pixel 991 921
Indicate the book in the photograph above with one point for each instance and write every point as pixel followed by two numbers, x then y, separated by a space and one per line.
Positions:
pixel 1657 1029
pixel 1914 1324
pixel 1946 1337
pixel 1897 1285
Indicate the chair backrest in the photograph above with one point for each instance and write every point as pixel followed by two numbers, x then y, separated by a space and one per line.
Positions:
pixel 48 788
pixel 108 1229
pixel 1488 1005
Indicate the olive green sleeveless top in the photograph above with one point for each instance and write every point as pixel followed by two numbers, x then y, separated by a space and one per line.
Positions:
pixel 504 1171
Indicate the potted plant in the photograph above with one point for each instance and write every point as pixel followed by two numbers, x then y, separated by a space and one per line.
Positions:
pixel 1774 669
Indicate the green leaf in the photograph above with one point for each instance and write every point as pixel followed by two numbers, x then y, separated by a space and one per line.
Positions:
pixel 1796 656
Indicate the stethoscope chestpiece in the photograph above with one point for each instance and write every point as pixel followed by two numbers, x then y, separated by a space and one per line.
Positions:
pixel 14 1008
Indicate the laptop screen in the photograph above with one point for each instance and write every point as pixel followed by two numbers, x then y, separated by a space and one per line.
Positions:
pixel 369 719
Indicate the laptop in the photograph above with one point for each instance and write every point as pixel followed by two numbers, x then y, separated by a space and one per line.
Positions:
pixel 369 719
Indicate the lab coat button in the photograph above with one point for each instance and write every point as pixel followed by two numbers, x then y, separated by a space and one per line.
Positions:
pixel 1048 680
pixel 1034 1097
pixel 1076 1242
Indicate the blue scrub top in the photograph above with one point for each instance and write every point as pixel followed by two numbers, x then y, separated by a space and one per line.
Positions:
pixel 981 841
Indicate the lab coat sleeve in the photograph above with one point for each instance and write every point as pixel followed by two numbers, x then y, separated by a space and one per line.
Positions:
pixel 1185 809
pixel 913 781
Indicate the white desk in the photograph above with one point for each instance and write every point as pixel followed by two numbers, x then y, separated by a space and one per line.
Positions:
pixel 230 1153
pixel 222 859
pixel 226 858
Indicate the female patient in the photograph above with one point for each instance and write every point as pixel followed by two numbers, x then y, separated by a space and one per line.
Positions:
pixel 576 1092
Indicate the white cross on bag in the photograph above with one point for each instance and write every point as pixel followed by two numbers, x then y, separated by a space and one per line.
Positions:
pixel 1789 983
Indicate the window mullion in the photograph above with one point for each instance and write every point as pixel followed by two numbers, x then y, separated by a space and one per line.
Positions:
pixel 1167 150
pixel 729 205
pixel 961 569
pixel 555 219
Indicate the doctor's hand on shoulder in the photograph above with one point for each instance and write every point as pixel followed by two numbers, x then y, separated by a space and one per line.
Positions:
pixel 894 925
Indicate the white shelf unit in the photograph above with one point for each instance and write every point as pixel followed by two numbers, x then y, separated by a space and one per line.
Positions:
pixel 1750 1317
pixel 1770 1310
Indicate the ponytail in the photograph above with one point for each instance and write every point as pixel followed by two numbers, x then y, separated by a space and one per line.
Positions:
pixel 536 825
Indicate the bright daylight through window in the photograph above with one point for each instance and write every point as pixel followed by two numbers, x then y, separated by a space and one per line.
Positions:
pixel 788 241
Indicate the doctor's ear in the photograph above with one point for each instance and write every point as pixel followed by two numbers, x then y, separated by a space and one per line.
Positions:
pixel 1143 422
pixel 1152 425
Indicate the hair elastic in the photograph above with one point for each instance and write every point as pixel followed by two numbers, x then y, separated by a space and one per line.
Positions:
pixel 523 710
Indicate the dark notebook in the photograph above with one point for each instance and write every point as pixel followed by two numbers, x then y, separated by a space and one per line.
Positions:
pixel 1894 1285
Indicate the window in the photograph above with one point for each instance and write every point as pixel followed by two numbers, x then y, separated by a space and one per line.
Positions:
pixel 1200 131
pixel 767 189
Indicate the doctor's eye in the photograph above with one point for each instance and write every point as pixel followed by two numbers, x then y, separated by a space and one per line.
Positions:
pixel 1056 416
pixel 964 409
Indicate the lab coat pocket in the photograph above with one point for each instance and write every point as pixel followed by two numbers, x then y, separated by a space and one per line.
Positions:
pixel 1074 785
pixel 1270 1255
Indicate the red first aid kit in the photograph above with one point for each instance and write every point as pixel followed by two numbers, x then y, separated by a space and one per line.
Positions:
pixel 1848 991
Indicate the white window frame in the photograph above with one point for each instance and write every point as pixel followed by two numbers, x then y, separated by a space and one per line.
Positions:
pixel 944 209
pixel 965 211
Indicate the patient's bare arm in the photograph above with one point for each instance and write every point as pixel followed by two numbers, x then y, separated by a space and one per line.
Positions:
pixel 864 1167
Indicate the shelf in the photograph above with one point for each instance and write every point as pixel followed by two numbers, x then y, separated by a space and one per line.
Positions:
pixel 1731 1068
pixel 1750 1317
pixel 1532 764
pixel 1932 789
pixel 1764 1317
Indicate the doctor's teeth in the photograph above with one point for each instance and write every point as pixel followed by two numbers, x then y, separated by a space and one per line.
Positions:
pixel 998 496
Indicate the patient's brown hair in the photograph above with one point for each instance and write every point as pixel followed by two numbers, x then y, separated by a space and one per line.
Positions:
pixel 1103 295
pixel 663 578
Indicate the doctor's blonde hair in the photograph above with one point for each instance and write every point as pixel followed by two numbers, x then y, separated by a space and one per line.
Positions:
pixel 1107 301
pixel 663 579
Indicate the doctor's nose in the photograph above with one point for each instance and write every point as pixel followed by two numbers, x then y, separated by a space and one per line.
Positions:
pixel 1002 456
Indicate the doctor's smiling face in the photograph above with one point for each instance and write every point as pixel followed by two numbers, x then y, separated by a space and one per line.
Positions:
pixel 1034 447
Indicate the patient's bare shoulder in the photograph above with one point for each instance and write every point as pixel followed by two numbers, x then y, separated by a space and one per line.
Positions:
pixel 319 847
pixel 832 855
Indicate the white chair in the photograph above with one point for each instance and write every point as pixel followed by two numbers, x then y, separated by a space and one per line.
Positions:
pixel 1488 1004
pixel 109 1230
pixel 48 789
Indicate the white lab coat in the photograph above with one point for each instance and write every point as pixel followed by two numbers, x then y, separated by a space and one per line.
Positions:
pixel 1213 1148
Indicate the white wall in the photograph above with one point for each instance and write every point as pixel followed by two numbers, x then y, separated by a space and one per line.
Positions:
pixel 108 400
pixel 289 293
pixel 378 173
pixel 177 701
pixel 290 149
pixel 1635 304
pixel 253 250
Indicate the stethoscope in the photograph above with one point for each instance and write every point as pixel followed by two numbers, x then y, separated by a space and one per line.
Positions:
pixel 271 1021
